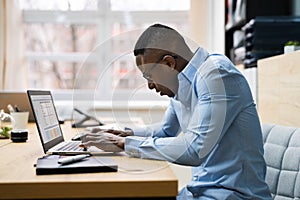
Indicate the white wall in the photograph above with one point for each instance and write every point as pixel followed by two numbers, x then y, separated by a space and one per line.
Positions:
pixel 207 18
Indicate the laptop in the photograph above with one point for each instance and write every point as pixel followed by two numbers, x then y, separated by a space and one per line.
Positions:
pixel 16 98
pixel 48 126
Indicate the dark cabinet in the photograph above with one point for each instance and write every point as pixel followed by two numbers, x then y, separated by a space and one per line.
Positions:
pixel 239 13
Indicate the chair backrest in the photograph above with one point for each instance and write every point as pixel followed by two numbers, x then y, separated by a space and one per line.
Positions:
pixel 282 155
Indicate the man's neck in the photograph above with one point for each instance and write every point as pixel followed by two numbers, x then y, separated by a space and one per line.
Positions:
pixel 182 63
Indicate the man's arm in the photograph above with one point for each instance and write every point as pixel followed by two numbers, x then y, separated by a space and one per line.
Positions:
pixel 114 140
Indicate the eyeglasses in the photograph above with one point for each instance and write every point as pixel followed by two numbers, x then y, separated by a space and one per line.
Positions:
pixel 147 75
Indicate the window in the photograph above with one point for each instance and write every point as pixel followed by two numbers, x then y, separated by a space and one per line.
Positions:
pixel 87 44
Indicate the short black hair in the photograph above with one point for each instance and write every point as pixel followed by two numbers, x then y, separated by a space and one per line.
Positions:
pixel 158 37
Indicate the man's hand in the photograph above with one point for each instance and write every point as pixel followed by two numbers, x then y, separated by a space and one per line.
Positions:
pixel 120 133
pixel 105 141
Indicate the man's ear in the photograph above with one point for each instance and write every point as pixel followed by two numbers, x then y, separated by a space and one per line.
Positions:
pixel 170 61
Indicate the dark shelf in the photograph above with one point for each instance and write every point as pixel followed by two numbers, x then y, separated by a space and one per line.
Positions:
pixel 235 26
pixel 252 9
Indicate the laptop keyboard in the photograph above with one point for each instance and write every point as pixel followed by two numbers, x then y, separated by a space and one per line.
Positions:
pixel 70 146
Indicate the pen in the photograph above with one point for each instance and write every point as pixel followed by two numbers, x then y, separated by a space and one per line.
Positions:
pixel 72 159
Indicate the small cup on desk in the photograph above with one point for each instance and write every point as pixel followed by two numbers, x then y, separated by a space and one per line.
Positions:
pixel 19 133
pixel 20 120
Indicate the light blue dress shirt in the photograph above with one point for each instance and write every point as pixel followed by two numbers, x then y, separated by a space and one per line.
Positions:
pixel 211 124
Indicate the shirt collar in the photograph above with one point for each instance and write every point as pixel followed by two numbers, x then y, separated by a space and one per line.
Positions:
pixel 186 76
pixel 190 70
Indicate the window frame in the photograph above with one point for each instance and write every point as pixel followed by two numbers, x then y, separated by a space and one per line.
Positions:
pixel 103 18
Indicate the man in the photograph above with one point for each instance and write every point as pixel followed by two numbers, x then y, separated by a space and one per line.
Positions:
pixel 210 124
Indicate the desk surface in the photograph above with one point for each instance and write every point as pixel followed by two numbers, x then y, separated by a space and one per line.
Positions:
pixel 135 177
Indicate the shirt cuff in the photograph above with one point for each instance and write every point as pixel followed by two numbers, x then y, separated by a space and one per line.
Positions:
pixel 147 131
pixel 132 144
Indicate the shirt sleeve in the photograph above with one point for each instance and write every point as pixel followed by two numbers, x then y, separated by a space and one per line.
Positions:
pixel 209 120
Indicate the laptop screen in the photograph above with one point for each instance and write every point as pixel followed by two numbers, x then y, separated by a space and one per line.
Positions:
pixel 46 118
pixel 18 99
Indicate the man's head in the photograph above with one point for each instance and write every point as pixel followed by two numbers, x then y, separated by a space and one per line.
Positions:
pixel 161 53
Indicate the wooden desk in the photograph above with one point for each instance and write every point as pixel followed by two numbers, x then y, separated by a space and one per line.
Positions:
pixel 135 177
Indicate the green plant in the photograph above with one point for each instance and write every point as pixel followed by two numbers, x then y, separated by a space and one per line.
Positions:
pixel 5 132
pixel 292 43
